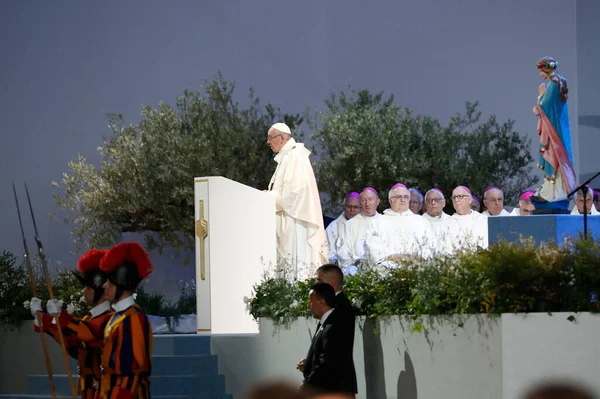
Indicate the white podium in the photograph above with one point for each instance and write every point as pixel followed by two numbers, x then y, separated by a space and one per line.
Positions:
pixel 235 242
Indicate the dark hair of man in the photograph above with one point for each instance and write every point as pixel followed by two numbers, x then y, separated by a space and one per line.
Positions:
pixel 559 391
pixel 324 291
pixel 335 270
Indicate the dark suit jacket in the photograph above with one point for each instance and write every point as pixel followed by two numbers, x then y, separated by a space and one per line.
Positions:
pixel 347 316
pixel 329 366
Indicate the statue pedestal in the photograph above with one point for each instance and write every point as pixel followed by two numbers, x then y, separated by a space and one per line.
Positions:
pixel 541 227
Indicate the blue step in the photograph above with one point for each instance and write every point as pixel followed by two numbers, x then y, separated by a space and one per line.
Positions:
pixel 182 368
pixel 199 365
pixel 181 345
pixel 161 385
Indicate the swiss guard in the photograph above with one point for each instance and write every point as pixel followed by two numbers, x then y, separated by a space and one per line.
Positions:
pixel 83 336
pixel 127 352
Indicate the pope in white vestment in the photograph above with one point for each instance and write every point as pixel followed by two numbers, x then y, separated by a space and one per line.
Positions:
pixel 301 240
pixel 336 228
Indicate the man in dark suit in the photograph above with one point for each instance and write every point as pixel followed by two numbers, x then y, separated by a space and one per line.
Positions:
pixel 327 364
pixel 332 275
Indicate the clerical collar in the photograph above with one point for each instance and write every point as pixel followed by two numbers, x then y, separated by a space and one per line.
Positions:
pixel 391 212
pixel 366 216
pixel 124 304
pixel 291 143
pixel 99 309
pixel 459 215
pixel 435 217
pixel 339 292
pixel 324 317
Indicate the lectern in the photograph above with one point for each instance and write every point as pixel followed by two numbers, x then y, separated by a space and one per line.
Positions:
pixel 235 244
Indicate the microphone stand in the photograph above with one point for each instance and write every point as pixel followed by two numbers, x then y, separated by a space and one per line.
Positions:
pixel 584 190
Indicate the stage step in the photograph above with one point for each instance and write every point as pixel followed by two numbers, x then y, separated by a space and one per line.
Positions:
pixel 182 368
pixel 160 385
pixel 181 345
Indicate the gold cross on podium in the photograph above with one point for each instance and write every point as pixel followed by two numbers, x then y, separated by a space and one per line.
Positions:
pixel 202 233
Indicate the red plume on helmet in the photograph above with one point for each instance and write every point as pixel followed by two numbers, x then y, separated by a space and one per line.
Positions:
pixel 88 271
pixel 130 253
pixel 90 261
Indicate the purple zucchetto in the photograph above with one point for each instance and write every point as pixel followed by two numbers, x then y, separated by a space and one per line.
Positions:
pixel 353 194
pixel 526 196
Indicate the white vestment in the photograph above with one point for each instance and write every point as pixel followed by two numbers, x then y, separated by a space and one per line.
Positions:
pixel 334 230
pixel 503 212
pixel 352 249
pixel 593 211
pixel 462 232
pixel 515 212
pixel 399 233
pixel 301 239
pixel 435 219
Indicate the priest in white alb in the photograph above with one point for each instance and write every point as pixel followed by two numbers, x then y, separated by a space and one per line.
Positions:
pixel 434 207
pixel 465 229
pixel 588 202
pixel 351 251
pixel 400 231
pixel 493 199
pixel 301 240
pixel 336 227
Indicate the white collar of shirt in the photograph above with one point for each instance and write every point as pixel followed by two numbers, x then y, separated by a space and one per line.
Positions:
pixel 286 148
pixel 124 304
pixel 339 292
pixel 324 317
pixel 99 309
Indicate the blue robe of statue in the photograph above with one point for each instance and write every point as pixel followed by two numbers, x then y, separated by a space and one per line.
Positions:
pixel 556 155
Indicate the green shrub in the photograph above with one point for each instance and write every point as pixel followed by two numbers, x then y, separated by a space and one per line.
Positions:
pixel 506 277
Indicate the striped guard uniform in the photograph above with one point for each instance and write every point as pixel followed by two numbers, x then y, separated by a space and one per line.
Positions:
pixel 84 339
pixel 127 353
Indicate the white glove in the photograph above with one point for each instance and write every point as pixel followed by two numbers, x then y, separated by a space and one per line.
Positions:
pixel 35 306
pixel 54 306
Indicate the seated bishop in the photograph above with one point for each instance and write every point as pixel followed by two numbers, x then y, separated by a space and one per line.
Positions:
pixel 465 229
pixel 399 232
pixel 351 209
pixel 525 205
pixel 351 249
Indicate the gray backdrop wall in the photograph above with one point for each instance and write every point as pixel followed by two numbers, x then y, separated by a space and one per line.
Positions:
pixel 66 65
